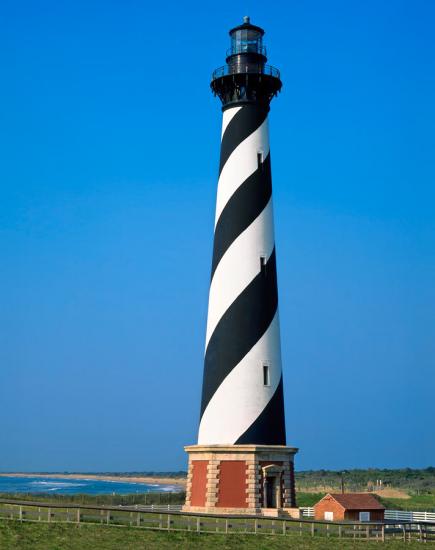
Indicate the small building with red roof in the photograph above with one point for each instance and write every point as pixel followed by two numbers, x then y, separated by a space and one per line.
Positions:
pixel 349 506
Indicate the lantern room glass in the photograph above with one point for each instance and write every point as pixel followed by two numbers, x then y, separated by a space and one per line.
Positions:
pixel 246 40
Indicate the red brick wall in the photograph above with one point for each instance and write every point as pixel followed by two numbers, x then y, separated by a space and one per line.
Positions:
pixel 375 515
pixel 328 505
pixel 199 482
pixel 232 484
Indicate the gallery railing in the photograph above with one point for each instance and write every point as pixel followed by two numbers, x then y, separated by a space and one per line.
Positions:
pixel 245 69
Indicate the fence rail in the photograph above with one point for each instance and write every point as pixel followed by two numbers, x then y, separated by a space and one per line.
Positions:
pixel 123 516
pixel 158 507
pixel 409 516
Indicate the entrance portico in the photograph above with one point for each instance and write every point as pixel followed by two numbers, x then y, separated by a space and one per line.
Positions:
pixel 272 477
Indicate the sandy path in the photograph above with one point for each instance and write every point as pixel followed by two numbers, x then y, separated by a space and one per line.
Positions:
pixel 392 493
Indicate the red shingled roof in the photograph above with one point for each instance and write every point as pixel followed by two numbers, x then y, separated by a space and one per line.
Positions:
pixel 357 501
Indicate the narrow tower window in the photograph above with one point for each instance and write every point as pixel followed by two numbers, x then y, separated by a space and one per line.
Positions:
pixel 260 159
pixel 263 265
pixel 266 375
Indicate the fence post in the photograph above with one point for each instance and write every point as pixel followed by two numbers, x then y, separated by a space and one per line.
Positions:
pixel 198 524
pixel 284 528
pixel 169 522
pixel 48 515
pixel 20 513
pixel 255 525
pixel 108 517
pixel 226 525
pixel 138 519
pixel 339 531
pixel 312 529
pixel 78 515
pixel 39 513
pixel 383 533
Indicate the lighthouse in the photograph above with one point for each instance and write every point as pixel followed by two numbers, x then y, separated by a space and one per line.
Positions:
pixel 241 463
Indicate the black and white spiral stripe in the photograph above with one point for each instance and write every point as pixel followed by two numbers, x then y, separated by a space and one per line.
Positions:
pixel 243 324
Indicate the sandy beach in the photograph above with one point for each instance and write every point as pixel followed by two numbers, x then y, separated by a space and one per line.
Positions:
pixel 136 479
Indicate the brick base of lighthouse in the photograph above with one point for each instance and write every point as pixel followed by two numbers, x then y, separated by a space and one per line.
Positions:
pixel 241 479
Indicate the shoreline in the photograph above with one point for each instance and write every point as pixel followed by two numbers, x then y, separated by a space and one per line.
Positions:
pixel 125 479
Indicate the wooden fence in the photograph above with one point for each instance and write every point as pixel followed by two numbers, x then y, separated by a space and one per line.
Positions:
pixel 404 515
pixel 395 515
pixel 202 523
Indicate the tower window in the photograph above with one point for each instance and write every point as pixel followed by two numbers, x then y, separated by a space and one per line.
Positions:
pixel 266 375
pixel 260 159
pixel 263 264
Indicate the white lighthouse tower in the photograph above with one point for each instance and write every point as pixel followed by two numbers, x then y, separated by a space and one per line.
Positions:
pixel 241 463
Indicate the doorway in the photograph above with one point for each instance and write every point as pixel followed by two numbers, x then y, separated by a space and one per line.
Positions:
pixel 272 497
pixel 270 492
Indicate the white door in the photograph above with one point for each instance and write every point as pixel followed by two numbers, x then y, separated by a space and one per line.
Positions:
pixel 364 516
pixel 329 516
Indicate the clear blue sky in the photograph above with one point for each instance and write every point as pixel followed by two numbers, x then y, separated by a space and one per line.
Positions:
pixel 109 145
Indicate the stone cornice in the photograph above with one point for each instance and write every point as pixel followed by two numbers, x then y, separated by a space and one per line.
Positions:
pixel 240 448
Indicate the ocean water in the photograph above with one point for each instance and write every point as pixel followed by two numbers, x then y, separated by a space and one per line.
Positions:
pixel 68 486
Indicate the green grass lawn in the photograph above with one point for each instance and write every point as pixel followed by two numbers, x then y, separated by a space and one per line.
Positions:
pixel 33 536
pixel 425 503
pixel 308 499
pixel 110 500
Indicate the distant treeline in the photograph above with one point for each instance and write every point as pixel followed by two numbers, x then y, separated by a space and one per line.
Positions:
pixel 418 481
pixel 413 480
